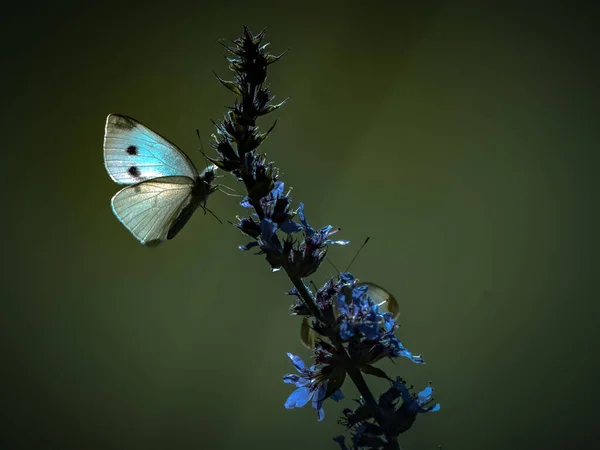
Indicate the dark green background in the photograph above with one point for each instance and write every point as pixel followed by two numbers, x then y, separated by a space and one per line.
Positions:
pixel 461 138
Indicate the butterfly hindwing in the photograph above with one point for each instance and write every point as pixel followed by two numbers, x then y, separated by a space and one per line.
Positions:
pixel 134 153
pixel 150 208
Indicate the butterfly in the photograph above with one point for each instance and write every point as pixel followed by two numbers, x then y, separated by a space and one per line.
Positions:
pixel 164 187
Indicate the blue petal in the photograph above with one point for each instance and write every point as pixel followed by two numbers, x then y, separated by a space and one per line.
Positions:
pixel 358 295
pixel 341 304
pixel 425 395
pixel 246 203
pixel 320 414
pixel 277 190
pixel 434 408
pixel 399 350
pixel 291 378
pixel 370 330
pixel 346 277
pixel 298 398
pixel 417 359
pixel 388 321
pixel 300 212
pixel 297 362
pixel 337 395
pixel 267 228
pixel 248 246
pixel 307 228
pixel 319 396
pixel 325 230
pixel 297 380
pixel 289 227
pixel 346 331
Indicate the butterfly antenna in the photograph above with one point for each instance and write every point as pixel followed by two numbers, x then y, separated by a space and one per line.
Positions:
pixel 332 264
pixel 202 147
pixel 357 253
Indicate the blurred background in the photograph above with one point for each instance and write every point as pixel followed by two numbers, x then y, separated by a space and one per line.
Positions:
pixel 461 138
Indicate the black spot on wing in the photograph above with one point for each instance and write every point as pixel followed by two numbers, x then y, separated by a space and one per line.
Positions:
pixel 134 171
pixel 123 122
pixel 132 150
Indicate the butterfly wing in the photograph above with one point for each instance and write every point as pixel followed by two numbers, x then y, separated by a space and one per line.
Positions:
pixel 134 153
pixel 149 209
pixel 382 297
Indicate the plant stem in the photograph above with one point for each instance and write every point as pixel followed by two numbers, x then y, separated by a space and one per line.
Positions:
pixel 353 371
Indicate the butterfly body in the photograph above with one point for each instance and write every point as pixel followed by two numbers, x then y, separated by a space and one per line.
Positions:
pixel 200 192
pixel 163 186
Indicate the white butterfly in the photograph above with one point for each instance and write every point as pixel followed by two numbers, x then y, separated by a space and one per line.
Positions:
pixel 165 187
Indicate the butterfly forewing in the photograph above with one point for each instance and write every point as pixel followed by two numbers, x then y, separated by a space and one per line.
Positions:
pixel 150 208
pixel 134 153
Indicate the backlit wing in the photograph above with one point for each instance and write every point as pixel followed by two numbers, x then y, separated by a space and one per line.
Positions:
pixel 150 208
pixel 134 153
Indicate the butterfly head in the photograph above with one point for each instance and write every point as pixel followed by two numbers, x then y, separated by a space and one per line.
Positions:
pixel 209 174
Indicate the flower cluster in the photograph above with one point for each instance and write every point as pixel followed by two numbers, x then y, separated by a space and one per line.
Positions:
pixel 350 318
pixel 314 384
pixel 344 322
pixel 237 136
pixel 368 330
pixel 301 257
pixel 367 434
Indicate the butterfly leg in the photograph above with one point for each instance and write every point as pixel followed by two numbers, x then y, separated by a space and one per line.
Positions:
pixel 212 213
pixel 220 188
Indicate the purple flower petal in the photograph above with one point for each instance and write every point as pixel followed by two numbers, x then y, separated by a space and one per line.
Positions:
pixel 267 228
pixel 320 414
pixel 425 395
pixel 298 398
pixel 297 362
pixel 297 380
pixel 248 246
pixel 291 378
pixel 277 190
pixel 337 396
pixel 246 202
pixel 289 227
pixel 319 396
pixel 307 228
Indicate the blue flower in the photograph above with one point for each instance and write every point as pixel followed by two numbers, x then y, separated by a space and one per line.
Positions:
pixel 348 330
pixel 369 331
pixel 318 238
pixel 311 386
pixel 305 258
pixel 367 434
pixel 422 402
pixel 276 207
